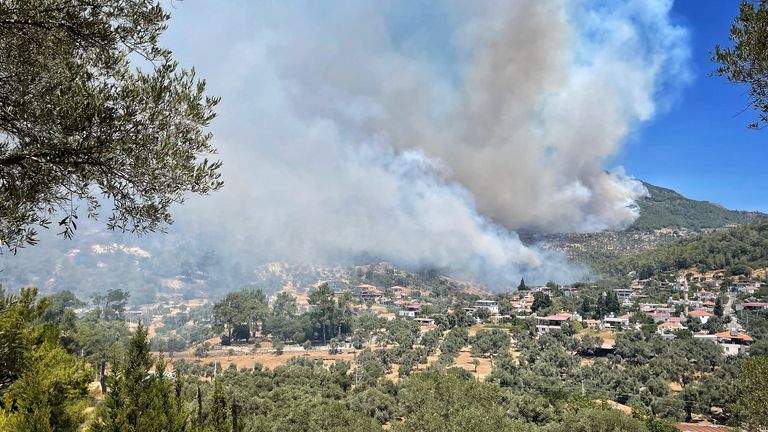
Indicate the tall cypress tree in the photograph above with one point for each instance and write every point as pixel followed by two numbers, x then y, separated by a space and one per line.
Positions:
pixel 217 419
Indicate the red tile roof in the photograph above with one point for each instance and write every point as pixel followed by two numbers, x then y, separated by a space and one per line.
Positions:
pixel 739 336
pixel 755 304
pixel 671 325
pixel 700 313
pixel 558 317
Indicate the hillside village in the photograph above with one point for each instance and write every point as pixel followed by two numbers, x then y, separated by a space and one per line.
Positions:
pixel 709 308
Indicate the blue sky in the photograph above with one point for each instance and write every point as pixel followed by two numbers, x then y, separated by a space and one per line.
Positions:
pixel 701 146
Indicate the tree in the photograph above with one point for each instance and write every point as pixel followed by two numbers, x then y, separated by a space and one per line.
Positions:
pixel 521 286
pixel 244 307
pixel 99 341
pixel 490 342
pixel 137 398
pixel 80 122
pixel 586 307
pixel 217 419
pixel 718 309
pixel 112 304
pixel 330 316
pixel 433 402
pixel 747 61
pixel 42 387
pixel 752 405
pixel 278 345
pixel 540 301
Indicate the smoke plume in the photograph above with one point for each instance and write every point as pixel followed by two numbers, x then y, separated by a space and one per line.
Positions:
pixel 426 133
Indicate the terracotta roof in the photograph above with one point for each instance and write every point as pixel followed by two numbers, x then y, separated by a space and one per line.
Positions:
pixel 691 427
pixel 755 304
pixel 557 317
pixel 677 319
pixel 671 325
pixel 700 313
pixel 739 336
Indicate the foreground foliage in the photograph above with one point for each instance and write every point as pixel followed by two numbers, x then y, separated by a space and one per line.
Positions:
pixel 79 122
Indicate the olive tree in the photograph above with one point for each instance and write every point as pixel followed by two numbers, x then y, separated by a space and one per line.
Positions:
pixel 92 111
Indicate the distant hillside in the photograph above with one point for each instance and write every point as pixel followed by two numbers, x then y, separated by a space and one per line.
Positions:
pixel 738 250
pixel 665 208
pixel 665 217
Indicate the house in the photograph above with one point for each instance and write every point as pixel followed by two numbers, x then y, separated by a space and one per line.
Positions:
pixel 752 306
pixel 702 315
pixel 659 317
pixel 410 309
pixel 426 322
pixel 623 294
pixel 491 305
pixel 611 322
pixel 552 322
pixel 368 293
pixel 734 342
pixel 592 324
pixel 524 304
pixel 667 327
pixel 747 287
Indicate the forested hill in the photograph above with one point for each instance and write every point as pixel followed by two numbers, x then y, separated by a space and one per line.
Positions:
pixel 738 250
pixel 665 208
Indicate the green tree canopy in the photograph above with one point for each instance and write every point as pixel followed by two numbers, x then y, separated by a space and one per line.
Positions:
pixel 746 62
pixel 80 122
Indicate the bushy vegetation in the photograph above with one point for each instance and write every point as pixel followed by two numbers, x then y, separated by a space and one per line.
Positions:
pixel 665 208
pixel 737 250
pixel 51 356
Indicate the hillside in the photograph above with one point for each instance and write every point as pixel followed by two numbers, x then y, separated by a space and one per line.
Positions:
pixel 665 208
pixel 665 217
pixel 738 250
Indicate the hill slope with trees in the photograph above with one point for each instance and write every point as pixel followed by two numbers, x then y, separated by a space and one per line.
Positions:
pixel 665 208
pixel 738 250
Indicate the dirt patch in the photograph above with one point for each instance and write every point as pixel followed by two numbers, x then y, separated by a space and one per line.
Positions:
pixel 266 359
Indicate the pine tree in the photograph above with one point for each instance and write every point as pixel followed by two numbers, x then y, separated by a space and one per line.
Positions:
pixel 139 399
pixel 522 286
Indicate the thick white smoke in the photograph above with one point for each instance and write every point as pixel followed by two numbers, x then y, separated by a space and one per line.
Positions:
pixel 422 133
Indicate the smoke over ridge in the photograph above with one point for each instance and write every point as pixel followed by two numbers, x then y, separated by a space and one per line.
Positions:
pixel 425 133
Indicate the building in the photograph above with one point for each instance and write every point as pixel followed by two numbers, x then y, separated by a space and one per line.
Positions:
pixel 752 306
pixel 734 342
pixel 659 317
pixel 426 322
pixel 368 293
pixel 410 309
pixel 491 305
pixel 623 294
pixel 748 287
pixel 592 324
pixel 668 327
pixel 611 322
pixel 552 322
pixel 702 315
